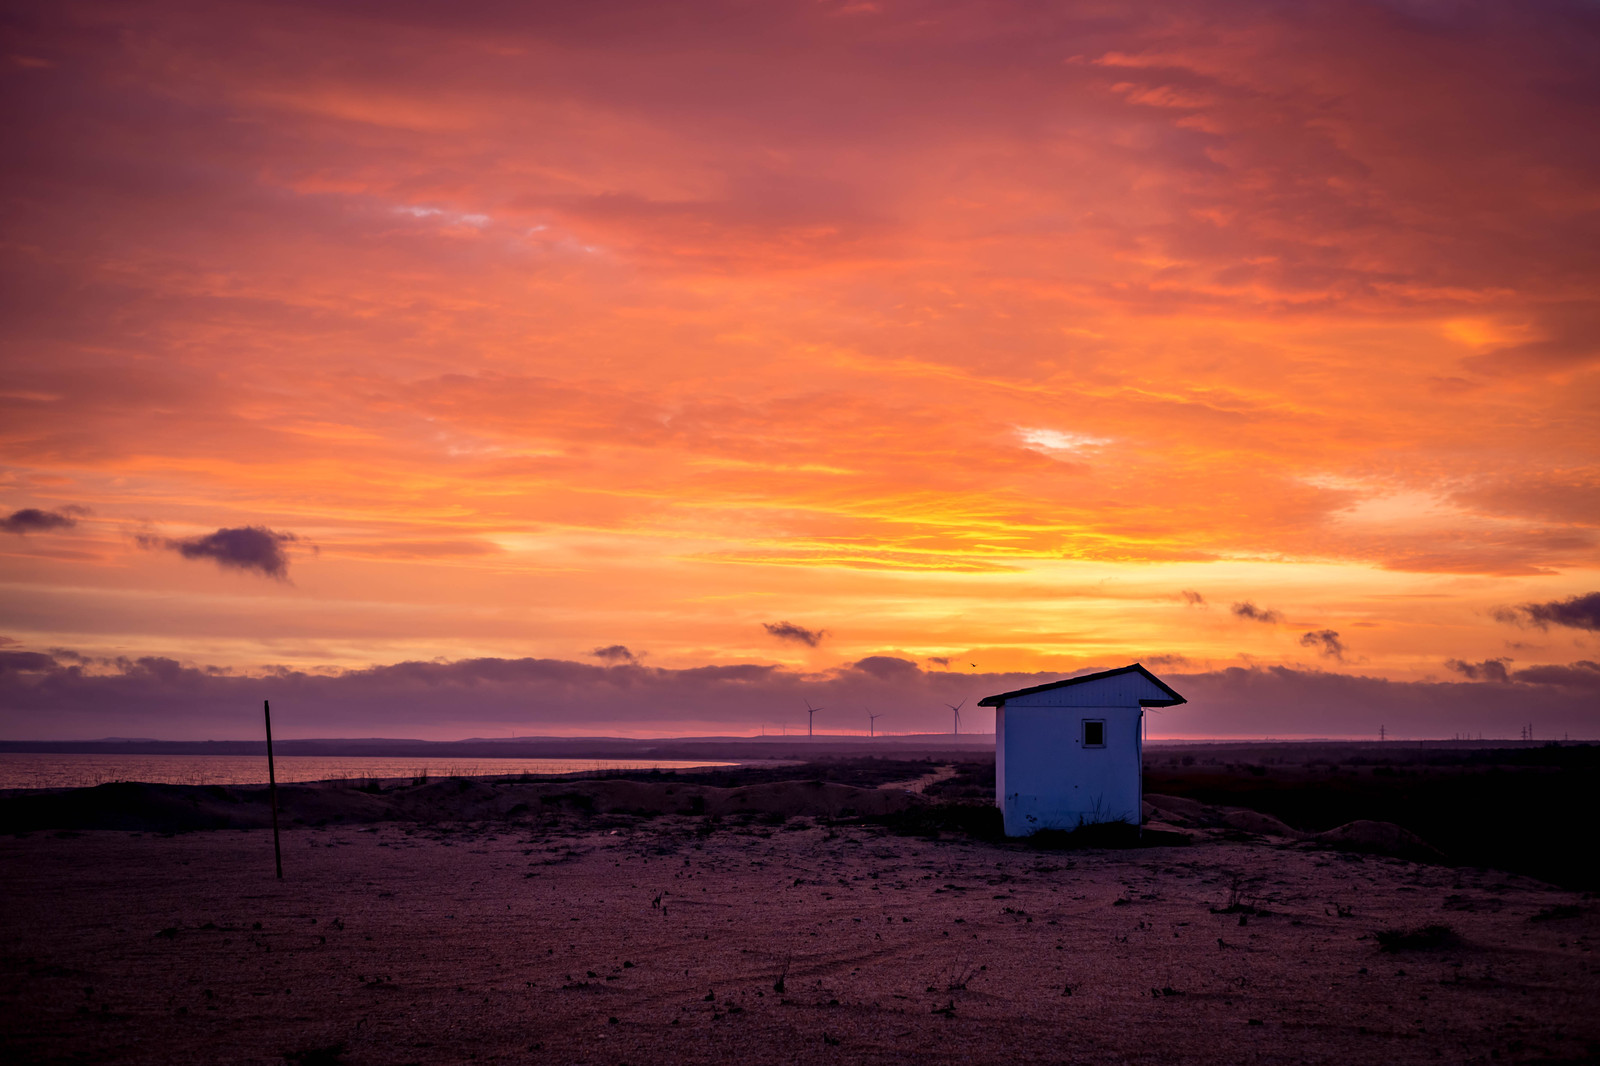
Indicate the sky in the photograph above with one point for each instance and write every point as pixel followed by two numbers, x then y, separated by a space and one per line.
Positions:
pixel 642 369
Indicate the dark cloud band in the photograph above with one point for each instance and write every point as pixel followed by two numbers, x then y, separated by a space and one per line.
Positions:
pixel 57 696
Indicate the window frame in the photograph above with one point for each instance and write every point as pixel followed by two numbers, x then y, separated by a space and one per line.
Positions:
pixel 1083 732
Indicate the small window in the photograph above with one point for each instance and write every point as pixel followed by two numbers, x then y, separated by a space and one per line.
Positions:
pixel 1094 733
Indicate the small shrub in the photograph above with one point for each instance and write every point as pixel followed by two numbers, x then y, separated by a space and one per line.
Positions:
pixel 1426 938
pixel 1238 900
pixel 783 974
pixel 576 801
pixel 961 976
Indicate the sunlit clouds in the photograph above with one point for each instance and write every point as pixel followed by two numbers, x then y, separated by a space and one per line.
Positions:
pixel 1027 336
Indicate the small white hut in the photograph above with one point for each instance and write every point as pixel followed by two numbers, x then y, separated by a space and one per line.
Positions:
pixel 1070 753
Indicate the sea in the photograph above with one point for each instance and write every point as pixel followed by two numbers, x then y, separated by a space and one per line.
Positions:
pixel 39 770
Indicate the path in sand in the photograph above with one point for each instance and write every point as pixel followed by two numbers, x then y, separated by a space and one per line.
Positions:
pixel 917 784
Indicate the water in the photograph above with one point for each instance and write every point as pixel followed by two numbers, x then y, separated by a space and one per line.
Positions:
pixel 39 770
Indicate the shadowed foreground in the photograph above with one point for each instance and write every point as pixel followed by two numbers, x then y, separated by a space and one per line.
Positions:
pixel 575 937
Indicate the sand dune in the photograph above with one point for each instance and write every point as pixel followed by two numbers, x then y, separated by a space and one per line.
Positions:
pixel 186 808
pixel 1378 838
pixel 1367 836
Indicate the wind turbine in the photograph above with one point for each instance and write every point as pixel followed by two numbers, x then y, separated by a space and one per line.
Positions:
pixel 956 709
pixel 810 714
pixel 872 723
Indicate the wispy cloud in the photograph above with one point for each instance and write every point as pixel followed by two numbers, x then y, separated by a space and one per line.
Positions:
pixel 462 218
pixel 1161 661
pixel 1055 442
pixel 796 634
pixel 1325 641
pixel 1248 610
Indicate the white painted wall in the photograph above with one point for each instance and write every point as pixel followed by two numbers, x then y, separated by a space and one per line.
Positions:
pixel 1046 779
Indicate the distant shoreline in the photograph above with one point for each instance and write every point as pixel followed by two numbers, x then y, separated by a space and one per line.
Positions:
pixel 932 745
pixel 772 747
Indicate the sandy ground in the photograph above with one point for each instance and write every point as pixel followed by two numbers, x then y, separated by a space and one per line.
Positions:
pixel 919 784
pixel 618 940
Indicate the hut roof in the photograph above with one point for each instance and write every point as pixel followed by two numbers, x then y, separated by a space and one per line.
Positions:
pixel 1172 701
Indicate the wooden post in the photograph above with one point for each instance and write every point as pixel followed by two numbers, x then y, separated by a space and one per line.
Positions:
pixel 272 786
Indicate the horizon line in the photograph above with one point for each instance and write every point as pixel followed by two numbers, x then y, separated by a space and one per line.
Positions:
pixel 1292 738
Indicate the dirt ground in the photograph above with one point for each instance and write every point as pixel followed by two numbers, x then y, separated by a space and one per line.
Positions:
pixel 583 939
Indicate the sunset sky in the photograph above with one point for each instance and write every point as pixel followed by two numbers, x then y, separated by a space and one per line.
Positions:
pixel 456 369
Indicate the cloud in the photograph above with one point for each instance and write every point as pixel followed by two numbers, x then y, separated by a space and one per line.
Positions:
pixel 1488 670
pixel 1569 339
pixel 1558 496
pixel 1193 598
pixel 942 660
pixel 887 667
pixel 1579 612
pixel 476 220
pixel 245 548
pixel 157 696
pixel 1326 641
pixel 1256 614
pixel 1168 660
pixel 26 660
pixel 799 634
pixel 419 548
pixel 1282 701
pixel 1055 443
pixel 615 653
pixel 1583 674
pixel 33 520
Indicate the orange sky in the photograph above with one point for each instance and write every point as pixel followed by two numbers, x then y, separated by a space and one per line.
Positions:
pixel 972 331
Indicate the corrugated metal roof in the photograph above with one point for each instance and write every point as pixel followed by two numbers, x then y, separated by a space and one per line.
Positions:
pixel 1136 668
